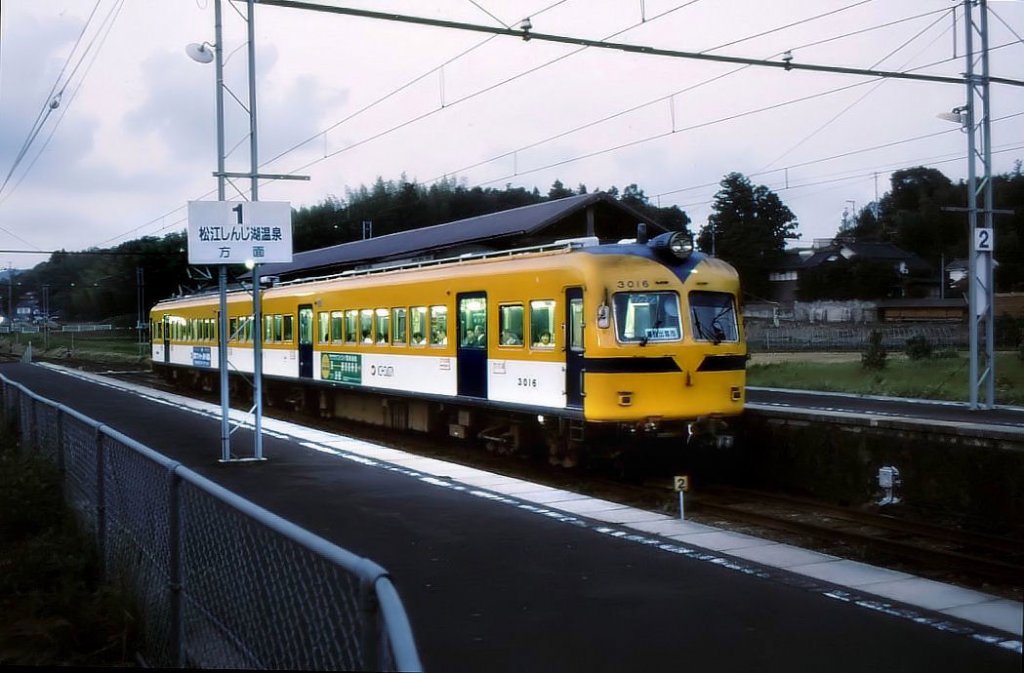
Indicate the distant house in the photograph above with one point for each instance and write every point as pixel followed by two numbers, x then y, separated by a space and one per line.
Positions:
pixel 914 273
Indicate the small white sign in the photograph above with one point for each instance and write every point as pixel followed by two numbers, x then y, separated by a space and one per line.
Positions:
pixel 984 240
pixel 235 232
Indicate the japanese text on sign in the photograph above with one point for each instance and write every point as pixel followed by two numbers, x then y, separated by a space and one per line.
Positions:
pixel 235 232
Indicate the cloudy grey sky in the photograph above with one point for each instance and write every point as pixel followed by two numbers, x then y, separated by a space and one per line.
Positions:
pixel 345 100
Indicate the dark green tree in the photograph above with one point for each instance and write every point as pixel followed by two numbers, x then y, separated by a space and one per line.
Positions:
pixel 748 229
pixel 914 214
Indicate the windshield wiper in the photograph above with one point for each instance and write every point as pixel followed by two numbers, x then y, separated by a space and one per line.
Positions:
pixel 702 332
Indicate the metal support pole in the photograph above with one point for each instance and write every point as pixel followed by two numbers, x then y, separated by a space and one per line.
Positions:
pixel 980 288
pixel 257 349
pixel 222 329
pixel 254 196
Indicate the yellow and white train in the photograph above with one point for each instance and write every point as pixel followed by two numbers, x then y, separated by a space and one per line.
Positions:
pixel 552 345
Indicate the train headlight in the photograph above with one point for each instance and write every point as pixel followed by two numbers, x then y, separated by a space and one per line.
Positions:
pixel 675 244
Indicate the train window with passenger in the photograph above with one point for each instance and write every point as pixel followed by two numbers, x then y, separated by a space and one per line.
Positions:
pixel 337 319
pixel 438 325
pixel 418 325
pixel 287 335
pixel 323 327
pixel 542 323
pixel 473 322
pixel 510 325
pixel 645 317
pixel 351 326
pixel 399 324
pixel 366 326
pixel 714 316
pixel 382 325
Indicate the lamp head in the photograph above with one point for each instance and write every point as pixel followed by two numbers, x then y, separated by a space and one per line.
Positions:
pixel 199 52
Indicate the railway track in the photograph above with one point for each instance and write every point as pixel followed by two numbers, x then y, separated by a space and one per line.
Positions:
pixel 974 558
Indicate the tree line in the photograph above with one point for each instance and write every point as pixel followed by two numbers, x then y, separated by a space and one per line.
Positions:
pixel 749 227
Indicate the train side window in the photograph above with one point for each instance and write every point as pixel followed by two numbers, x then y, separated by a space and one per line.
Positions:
pixel 336 322
pixel 399 324
pixel 510 324
pixel 247 328
pixel 268 328
pixel 287 333
pixel 366 326
pixel 382 325
pixel 542 323
pixel 278 328
pixel 351 326
pixel 438 325
pixel 418 325
pixel 323 327
pixel 232 329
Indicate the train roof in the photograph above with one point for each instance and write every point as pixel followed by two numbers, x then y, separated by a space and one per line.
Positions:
pixel 597 214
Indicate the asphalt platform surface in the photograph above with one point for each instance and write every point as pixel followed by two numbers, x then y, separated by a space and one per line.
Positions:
pixel 490 586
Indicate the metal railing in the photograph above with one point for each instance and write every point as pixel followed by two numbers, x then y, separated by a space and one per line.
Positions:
pixel 218 581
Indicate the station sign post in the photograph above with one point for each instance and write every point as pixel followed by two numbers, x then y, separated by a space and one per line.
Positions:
pixel 240 232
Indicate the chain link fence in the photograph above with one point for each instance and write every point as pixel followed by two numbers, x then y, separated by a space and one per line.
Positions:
pixel 218 581
pixel 762 338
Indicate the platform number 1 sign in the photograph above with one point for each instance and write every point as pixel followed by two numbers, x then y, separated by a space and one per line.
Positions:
pixel 235 232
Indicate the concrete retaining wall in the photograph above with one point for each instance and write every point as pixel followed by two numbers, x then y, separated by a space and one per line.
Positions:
pixel 950 473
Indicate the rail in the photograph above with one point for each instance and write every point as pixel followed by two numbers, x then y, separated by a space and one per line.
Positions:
pixel 218 581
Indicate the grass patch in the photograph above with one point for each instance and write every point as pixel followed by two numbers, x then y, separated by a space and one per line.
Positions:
pixel 940 378
pixel 98 346
pixel 55 610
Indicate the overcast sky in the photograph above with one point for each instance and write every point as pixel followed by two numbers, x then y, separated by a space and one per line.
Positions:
pixel 345 100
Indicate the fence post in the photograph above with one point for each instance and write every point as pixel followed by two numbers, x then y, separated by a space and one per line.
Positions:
pixel 33 423
pixel 371 624
pixel 60 444
pixel 174 546
pixel 101 502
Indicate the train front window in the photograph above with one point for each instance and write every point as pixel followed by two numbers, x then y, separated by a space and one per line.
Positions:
pixel 647 317
pixel 714 317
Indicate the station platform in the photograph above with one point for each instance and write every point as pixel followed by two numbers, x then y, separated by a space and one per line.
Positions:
pixel 500 574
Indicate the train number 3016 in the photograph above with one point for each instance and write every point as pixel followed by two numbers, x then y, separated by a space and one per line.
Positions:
pixel 526 382
pixel 632 284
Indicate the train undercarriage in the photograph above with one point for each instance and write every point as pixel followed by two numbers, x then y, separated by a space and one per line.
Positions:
pixel 563 441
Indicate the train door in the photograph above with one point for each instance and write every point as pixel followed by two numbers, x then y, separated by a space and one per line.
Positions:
pixel 306 341
pixel 574 347
pixel 471 352
pixel 165 330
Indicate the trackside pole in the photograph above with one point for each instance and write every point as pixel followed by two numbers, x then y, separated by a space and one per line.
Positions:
pixel 682 484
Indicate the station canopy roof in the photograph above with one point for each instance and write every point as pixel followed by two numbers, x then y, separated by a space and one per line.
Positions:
pixel 597 214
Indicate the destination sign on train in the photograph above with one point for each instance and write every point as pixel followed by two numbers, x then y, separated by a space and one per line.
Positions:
pixel 236 232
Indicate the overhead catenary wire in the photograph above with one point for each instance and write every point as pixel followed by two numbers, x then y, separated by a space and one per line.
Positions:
pixel 104 32
pixel 50 104
pixel 379 135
